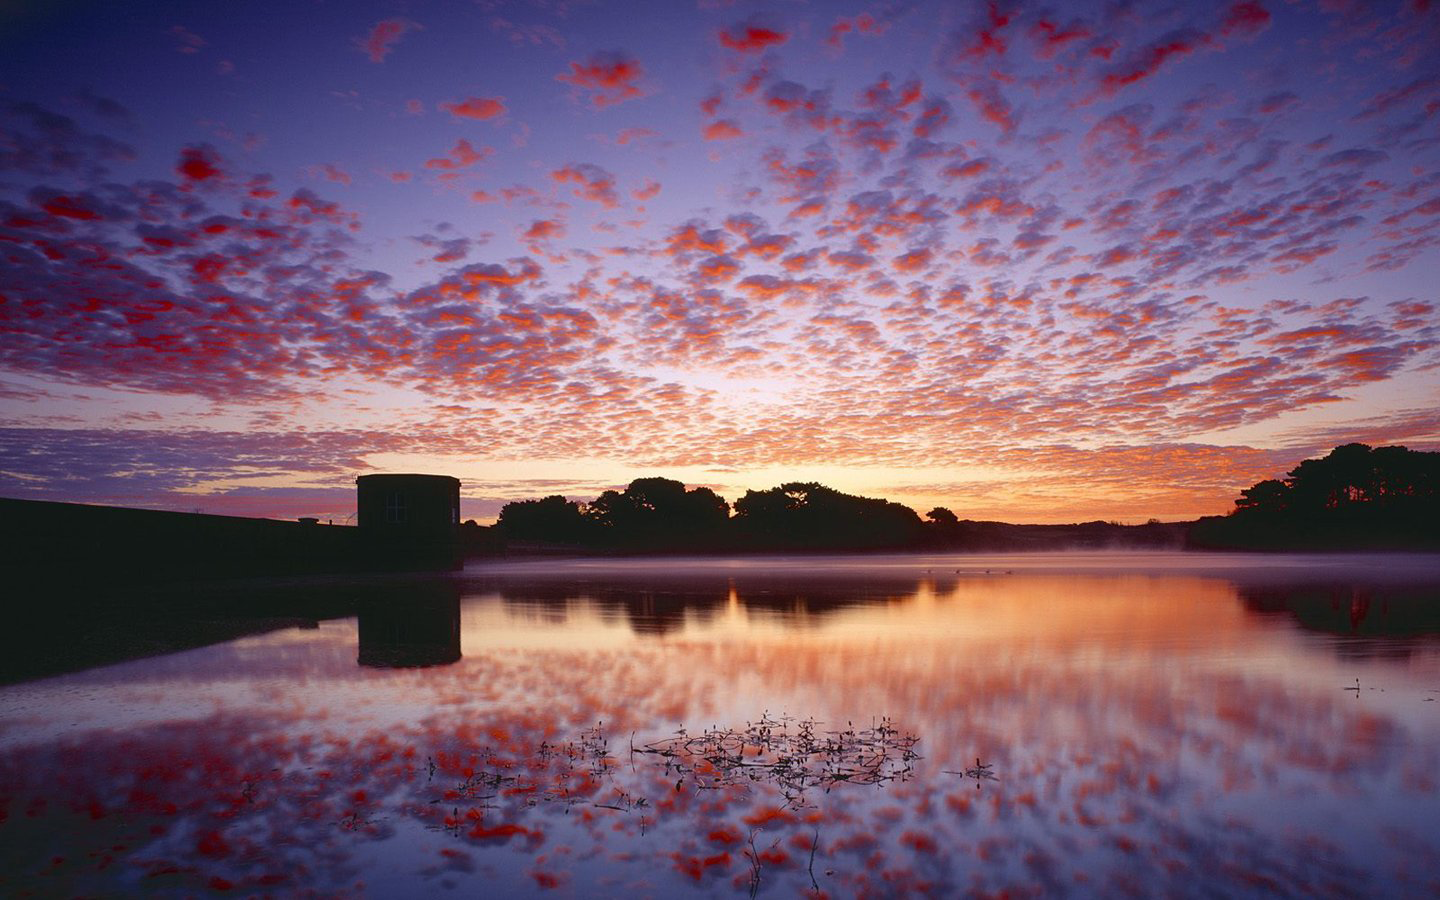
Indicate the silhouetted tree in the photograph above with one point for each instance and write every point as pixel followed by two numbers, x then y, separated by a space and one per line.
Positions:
pixel 942 516
pixel 1354 496
pixel 801 515
pixel 1345 476
pixel 1350 478
pixel 658 512
pixel 553 519
pixel 1269 495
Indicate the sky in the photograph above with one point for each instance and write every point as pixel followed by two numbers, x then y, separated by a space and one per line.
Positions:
pixel 1028 262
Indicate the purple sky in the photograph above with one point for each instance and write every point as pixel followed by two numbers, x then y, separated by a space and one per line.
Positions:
pixel 1035 263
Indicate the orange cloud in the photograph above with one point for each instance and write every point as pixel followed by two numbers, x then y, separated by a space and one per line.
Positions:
pixel 544 230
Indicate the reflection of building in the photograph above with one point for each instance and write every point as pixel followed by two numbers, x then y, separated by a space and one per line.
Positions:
pixel 420 628
pixel 409 519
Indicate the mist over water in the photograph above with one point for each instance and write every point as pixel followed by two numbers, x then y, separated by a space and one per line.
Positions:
pixel 1093 723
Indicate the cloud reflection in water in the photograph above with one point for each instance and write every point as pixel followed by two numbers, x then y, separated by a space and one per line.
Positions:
pixel 1147 734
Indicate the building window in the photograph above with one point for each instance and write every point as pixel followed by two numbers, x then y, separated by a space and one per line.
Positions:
pixel 395 510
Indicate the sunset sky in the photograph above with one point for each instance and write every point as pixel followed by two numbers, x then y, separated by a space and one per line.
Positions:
pixel 1028 262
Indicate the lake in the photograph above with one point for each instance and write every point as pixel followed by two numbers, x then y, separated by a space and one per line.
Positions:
pixel 1036 725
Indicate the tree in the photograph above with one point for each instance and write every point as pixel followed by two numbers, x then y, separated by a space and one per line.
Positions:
pixel 1342 477
pixel 942 517
pixel 800 515
pixel 1269 496
pixel 1351 480
pixel 552 519
pixel 659 512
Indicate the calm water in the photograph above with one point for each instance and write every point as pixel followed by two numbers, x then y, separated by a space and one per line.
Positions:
pixel 1039 725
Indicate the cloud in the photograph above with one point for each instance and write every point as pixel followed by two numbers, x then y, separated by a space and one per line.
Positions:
pixel 1279 101
pixel 66 206
pixel 606 77
pixel 632 135
pixel 1359 157
pixel 331 172
pixel 384 36
pixel 591 183
pixel 43 143
pixel 991 250
pixel 753 35
pixel 199 163
pixel 992 105
pixel 187 41
pixel 544 230
pixel 1051 37
pixel 1145 61
pixel 448 250
pixel 969 169
pixel 1246 18
pixel 722 130
pixel 481 108
pixel 462 156
pixel 133 466
pixel 863 24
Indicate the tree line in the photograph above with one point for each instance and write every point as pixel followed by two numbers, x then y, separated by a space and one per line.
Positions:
pixel 1355 497
pixel 662 514
pixel 659 515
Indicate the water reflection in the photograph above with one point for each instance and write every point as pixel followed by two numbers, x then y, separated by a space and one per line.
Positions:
pixel 665 602
pixel 419 629
pixel 1359 610
pixel 1092 732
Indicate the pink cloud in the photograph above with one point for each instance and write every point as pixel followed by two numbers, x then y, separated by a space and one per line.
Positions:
pixel 968 169
pixel 188 41
pixel 631 135
pixel 913 261
pixel 1245 18
pixel 752 35
pixel 723 130
pixel 462 156
pixel 1051 37
pixel 1149 59
pixel 331 172
pixel 544 230
pixel 199 163
pixel 383 37
pixel 992 105
pixel 592 183
pixel 649 190
pixel 69 207
pixel 863 24
pixel 608 77
pixel 480 108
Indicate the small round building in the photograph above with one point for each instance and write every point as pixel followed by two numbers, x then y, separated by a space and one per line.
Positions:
pixel 409 519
